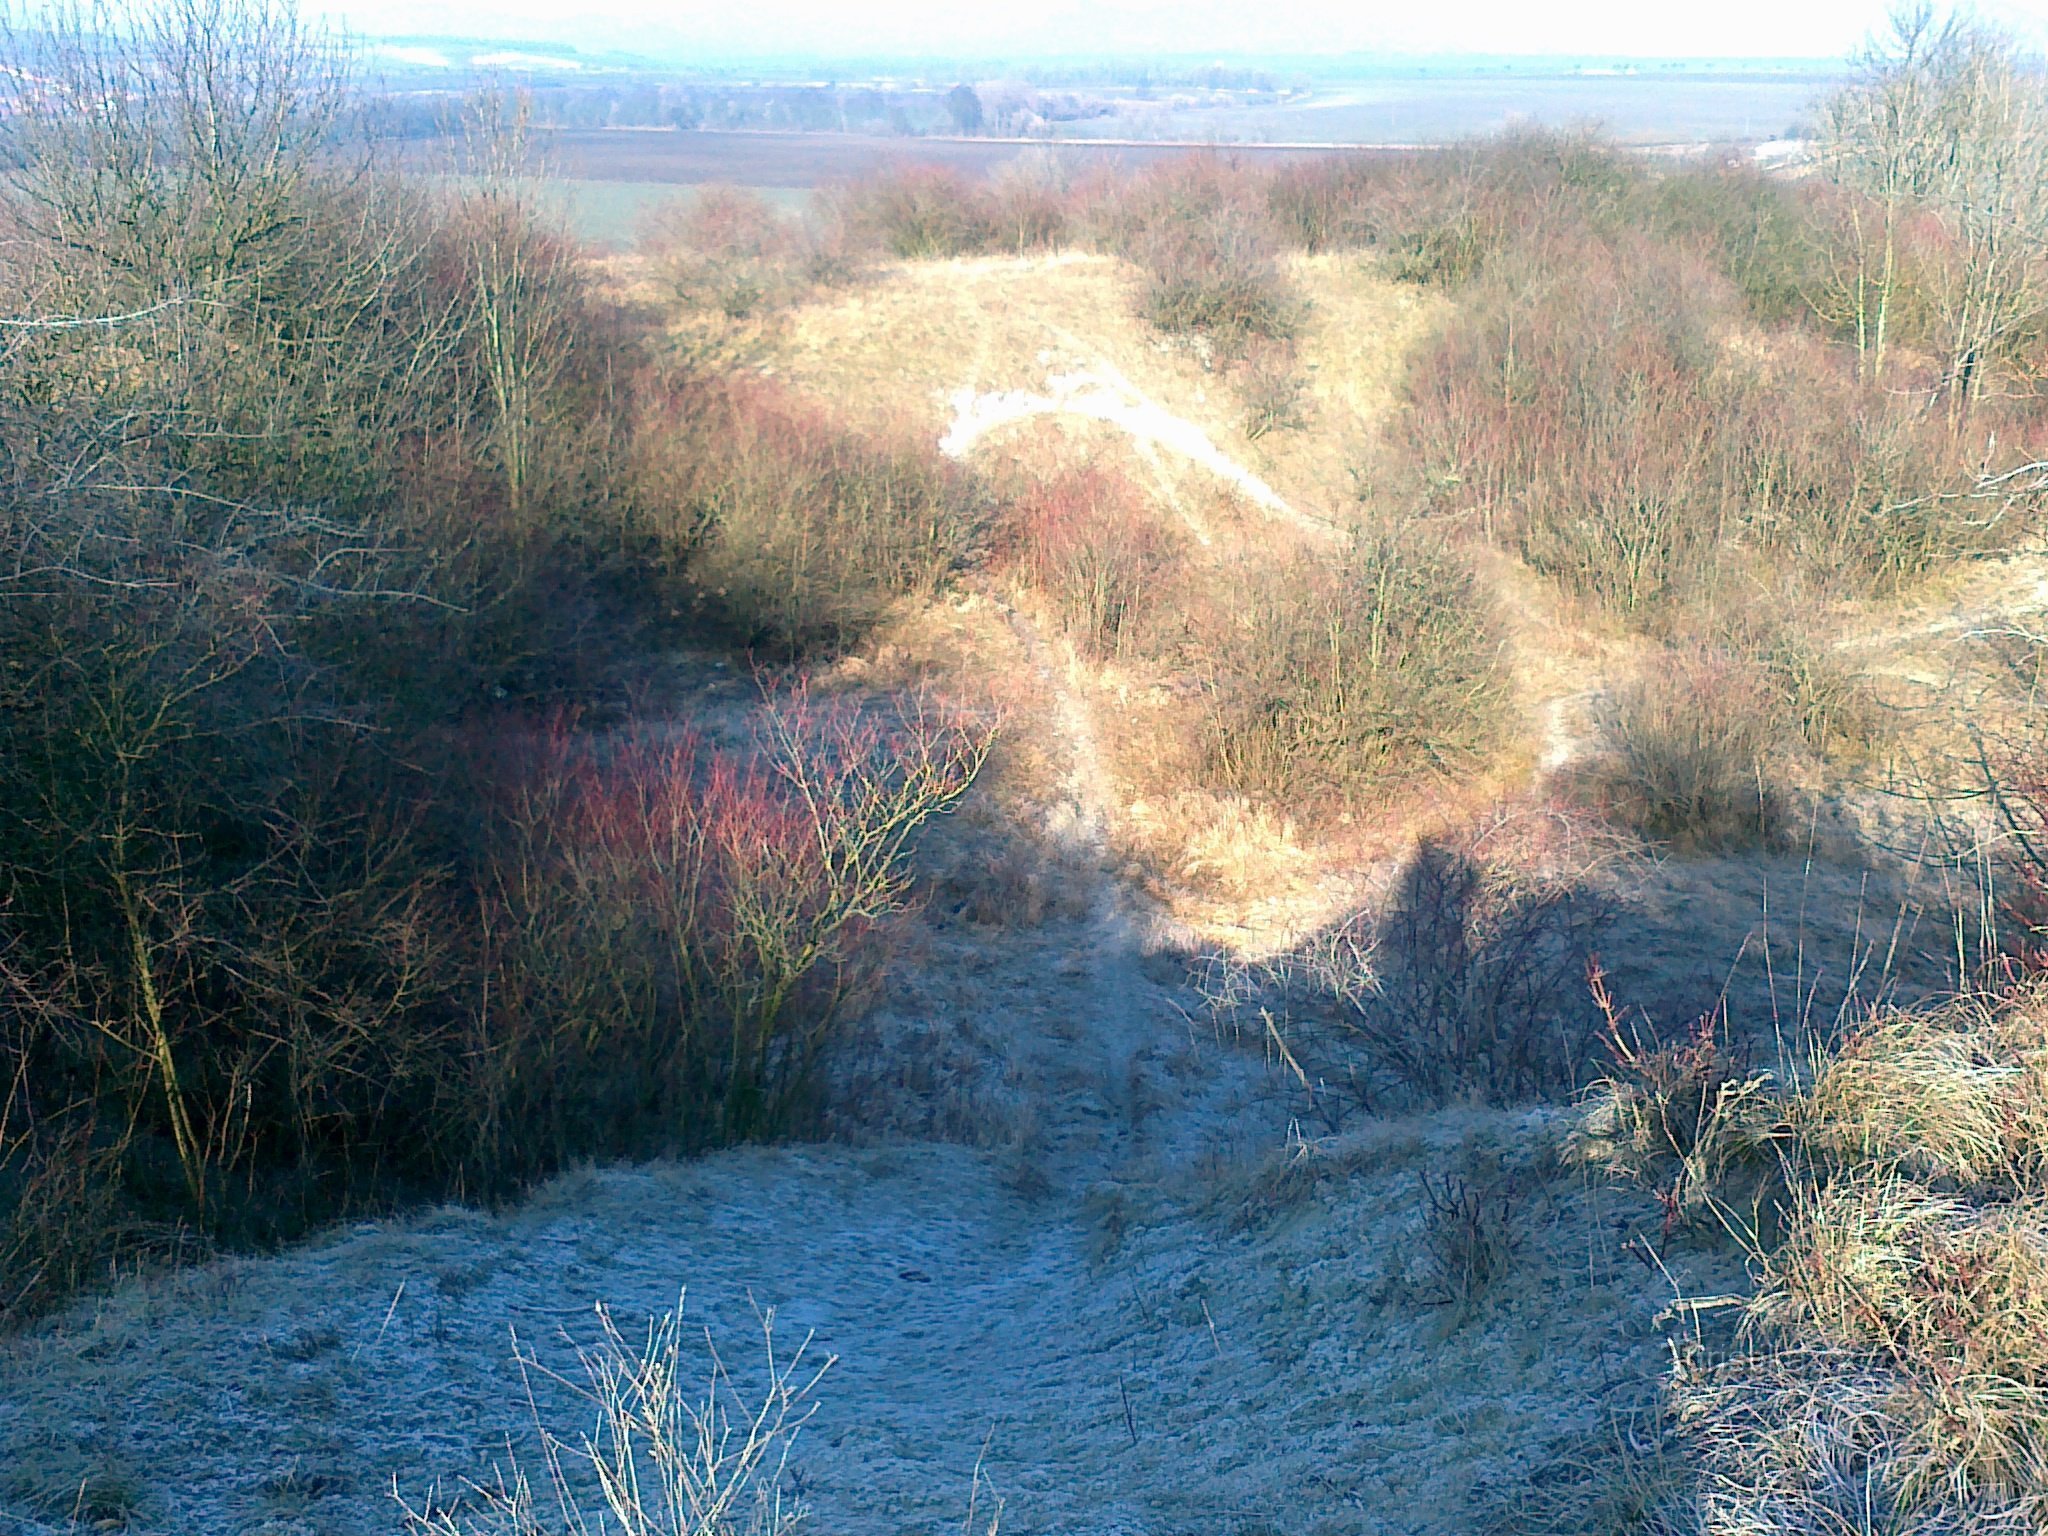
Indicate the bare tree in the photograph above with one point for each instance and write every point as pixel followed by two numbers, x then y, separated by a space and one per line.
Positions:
pixel 523 310
pixel 1947 118
pixel 221 327
pixel 173 144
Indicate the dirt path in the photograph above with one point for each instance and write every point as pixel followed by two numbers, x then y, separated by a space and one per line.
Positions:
pixel 1170 1315
pixel 965 1304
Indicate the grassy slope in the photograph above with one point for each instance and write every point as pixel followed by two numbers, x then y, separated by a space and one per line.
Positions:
pixel 1179 1252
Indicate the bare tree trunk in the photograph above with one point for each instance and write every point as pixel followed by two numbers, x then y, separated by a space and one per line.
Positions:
pixel 1949 121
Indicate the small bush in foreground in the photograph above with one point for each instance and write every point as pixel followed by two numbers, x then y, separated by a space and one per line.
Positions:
pixel 1684 1118
pixel 660 1457
pixel 1470 1236
pixel 1333 678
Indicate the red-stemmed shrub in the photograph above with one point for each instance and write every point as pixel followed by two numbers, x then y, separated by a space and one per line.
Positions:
pixel 675 928
pixel 1086 539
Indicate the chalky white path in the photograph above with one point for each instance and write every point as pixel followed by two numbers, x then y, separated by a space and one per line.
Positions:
pixel 1100 393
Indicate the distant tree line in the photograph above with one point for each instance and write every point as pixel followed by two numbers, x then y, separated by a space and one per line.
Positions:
pixel 1004 107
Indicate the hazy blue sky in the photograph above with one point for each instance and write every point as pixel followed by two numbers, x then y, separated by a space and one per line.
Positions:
pixel 1745 28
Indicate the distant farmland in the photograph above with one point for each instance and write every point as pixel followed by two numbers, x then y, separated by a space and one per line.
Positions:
pixel 803 160
pixel 1660 107
pixel 609 177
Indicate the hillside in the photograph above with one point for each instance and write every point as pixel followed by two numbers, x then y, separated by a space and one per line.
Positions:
pixel 1078 1234
pixel 1292 846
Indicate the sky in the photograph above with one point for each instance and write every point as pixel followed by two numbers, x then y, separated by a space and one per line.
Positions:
pixel 1126 28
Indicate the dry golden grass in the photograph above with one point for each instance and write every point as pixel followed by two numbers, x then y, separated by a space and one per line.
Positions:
pixel 915 333
pixel 901 343
pixel 1958 1096
pixel 1892 1365
pixel 1353 352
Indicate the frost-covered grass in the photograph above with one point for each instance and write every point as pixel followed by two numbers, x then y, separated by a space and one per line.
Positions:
pixel 1258 1344
pixel 1891 1368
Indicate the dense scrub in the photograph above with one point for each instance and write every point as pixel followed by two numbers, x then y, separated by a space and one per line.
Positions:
pixel 1598 405
pixel 1666 388
pixel 1329 677
pixel 320 492
pixel 791 532
pixel 1086 539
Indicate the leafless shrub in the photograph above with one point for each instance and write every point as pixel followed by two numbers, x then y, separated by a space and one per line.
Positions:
pixel 1827 697
pixel 1478 981
pixel 678 931
pixel 725 248
pixel 1470 1238
pixel 1217 280
pixel 1686 1119
pixel 1467 985
pixel 1332 202
pixel 1331 679
pixel 793 533
pixel 1943 145
pixel 1441 216
pixel 1605 429
pixel 919 212
pixel 1694 745
pixel 1088 541
pixel 1270 385
pixel 1207 252
pixel 1028 203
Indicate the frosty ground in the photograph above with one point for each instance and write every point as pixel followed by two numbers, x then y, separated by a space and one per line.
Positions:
pixel 1068 1230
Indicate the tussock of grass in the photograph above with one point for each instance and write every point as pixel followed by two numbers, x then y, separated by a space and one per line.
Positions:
pixel 1891 1370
